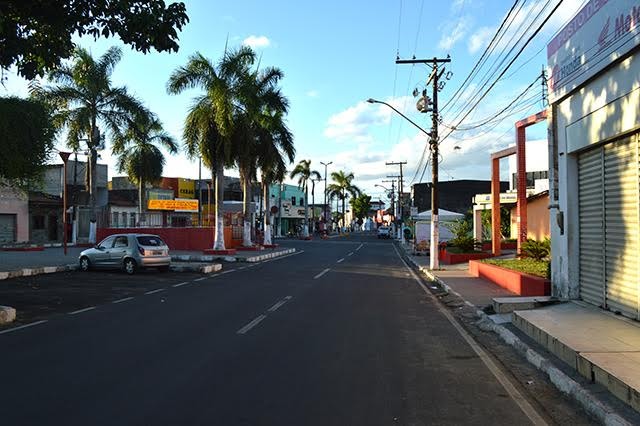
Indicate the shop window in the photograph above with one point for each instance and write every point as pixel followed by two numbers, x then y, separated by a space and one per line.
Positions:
pixel 38 222
pixel 293 201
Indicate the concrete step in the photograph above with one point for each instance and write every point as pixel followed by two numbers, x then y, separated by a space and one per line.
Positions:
pixel 504 305
pixel 600 346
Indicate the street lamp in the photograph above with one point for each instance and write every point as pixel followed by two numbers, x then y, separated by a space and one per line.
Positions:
pixel 433 258
pixel 375 101
pixel 325 189
pixel 65 158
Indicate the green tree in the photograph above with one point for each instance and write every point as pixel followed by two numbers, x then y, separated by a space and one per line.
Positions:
pixel 275 149
pixel 505 224
pixel 303 172
pixel 26 138
pixel 139 155
pixel 261 105
pixel 361 206
pixel 209 125
pixel 342 187
pixel 36 35
pixel 83 99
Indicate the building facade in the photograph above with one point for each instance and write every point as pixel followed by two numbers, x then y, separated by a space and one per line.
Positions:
pixel 593 155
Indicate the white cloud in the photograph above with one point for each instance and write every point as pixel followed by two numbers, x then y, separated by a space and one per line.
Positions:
pixel 480 39
pixel 453 32
pixel 257 41
pixel 355 123
pixel 313 93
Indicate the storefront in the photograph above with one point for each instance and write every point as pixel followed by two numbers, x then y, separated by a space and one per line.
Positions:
pixel 594 162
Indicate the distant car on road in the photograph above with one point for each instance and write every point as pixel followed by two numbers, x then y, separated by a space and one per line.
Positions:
pixel 128 252
pixel 384 232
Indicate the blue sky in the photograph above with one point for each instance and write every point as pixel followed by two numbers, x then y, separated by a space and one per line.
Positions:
pixel 335 55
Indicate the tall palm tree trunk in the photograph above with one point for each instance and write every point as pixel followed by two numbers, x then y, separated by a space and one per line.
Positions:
pixel 140 200
pixel 93 220
pixel 218 242
pixel 344 212
pixel 246 214
pixel 267 215
pixel 305 229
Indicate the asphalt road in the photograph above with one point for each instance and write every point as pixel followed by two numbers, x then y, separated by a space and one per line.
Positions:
pixel 338 334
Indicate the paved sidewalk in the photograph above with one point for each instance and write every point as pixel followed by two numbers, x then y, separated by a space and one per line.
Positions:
pixel 12 260
pixel 456 278
pixel 600 346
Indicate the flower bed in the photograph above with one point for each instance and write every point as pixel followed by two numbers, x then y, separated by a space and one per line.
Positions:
pixel 517 282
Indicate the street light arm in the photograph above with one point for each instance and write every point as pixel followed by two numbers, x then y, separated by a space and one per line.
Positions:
pixel 375 101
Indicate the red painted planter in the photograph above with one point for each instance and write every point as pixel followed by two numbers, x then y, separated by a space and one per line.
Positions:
pixel 449 258
pixel 220 252
pixel 249 248
pixel 36 248
pixel 511 245
pixel 514 281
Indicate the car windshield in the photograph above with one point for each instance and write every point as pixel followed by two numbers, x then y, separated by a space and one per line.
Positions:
pixel 150 240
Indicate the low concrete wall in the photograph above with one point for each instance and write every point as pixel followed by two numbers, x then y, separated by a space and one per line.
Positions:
pixel 514 281
pixel 178 238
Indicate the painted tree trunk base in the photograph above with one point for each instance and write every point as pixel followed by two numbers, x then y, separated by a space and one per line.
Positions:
pixel 246 234
pixel 93 230
pixel 267 236
pixel 218 243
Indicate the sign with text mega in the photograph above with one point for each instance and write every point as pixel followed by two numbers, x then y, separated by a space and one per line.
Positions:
pixel 601 32
pixel 178 205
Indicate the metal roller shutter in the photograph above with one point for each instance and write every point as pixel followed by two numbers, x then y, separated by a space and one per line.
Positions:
pixel 621 225
pixel 7 228
pixel 590 202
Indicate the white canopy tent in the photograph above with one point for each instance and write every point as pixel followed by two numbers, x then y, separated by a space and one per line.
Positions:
pixel 443 215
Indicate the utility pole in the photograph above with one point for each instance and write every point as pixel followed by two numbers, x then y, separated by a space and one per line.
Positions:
pixel 434 77
pixel 399 205
pixel 325 190
pixel 400 186
pixel 393 191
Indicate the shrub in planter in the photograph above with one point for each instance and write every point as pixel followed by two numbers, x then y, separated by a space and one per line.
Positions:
pixel 463 239
pixel 537 250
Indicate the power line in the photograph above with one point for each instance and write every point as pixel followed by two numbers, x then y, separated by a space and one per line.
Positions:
pixel 471 108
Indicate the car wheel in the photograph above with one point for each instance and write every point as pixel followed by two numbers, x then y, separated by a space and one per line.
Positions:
pixel 163 268
pixel 130 266
pixel 85 264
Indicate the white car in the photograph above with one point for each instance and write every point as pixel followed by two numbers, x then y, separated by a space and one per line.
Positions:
pixel 384 232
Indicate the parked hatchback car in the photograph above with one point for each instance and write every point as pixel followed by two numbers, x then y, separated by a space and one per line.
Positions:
pixel 384 232
pixel 128 252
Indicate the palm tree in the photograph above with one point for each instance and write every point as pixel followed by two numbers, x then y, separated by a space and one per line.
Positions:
pixel 341 188
pixel 84 100
pixel 140 157
pixel 209 125
pixel 261 102
pixel 275 145
pixel 304 173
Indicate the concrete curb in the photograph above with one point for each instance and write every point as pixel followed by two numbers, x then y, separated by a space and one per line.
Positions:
pixel 227 258
pixel 204 269
pixel 27 272
pixel 601 411
pixel 7 314
pixel 262 257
